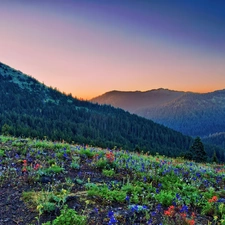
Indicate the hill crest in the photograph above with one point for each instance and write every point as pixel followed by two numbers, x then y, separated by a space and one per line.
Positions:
pixel 32 109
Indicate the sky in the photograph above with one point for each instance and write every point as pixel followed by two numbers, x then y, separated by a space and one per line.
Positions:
pixel 90 47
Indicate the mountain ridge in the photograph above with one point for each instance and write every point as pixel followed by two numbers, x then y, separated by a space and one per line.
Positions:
pixel 194 114
pixel 140 97
pixel 31 109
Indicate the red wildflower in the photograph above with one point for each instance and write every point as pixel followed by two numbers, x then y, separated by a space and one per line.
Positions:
pixel 190 222
pixel 213 199
pixel 25 162
pixel 37 166
pixel 110 156
pixel 167 213
pixel 171 207
pixel 24 169
pixel 183 215
pixel 170 212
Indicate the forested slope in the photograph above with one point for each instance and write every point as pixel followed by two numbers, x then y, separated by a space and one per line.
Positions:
pixel 29 108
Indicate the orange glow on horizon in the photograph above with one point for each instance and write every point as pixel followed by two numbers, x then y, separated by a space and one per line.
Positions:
pixel 89 96
pixel 86 51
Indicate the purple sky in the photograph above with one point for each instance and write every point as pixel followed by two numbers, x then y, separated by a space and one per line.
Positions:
pixel 90 47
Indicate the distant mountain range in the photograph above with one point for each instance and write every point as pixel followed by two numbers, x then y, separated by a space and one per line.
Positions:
pixel 191 113
pixel 29 108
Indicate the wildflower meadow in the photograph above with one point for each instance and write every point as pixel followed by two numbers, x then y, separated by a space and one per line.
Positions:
pixel 56 183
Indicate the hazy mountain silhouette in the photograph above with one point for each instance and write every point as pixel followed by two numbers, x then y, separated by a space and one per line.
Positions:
pixel 191 113
pixel 137 100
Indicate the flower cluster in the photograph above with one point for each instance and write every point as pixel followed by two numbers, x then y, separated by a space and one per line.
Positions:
pixel 110 156
pixel 170 211
pixel 112 219
pixel 37 166
pixel 181 214
pixel 213 199
pixel 192 220
pixel 24 169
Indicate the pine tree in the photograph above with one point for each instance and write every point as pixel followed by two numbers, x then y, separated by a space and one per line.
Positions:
pixel 197 150
pixel 214 158
pixel 5 129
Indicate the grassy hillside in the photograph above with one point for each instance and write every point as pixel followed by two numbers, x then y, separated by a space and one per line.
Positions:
pixel 46 183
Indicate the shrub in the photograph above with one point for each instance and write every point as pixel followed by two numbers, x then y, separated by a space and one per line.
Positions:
pixel 108 173
pixel 2 153
pixel 68 217
pixel 165 197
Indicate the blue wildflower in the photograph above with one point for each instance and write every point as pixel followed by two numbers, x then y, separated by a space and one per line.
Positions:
pixel 144 207
pixel 110 213
pixel 178 197
pixel 112 220
pixel 159 207
pixel 184 209
pixel 96 210
pixel 127 198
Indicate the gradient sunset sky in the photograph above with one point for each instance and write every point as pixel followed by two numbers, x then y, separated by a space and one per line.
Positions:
pixel 89 47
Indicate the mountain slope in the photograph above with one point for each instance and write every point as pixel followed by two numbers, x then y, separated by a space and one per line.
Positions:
pixel 29 108
pixel 190 113
pixel 216 139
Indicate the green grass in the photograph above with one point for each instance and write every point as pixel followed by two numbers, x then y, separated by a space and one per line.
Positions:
pixel 157 188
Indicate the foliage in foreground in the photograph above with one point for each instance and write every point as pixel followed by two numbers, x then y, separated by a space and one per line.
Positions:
pixel 112 186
